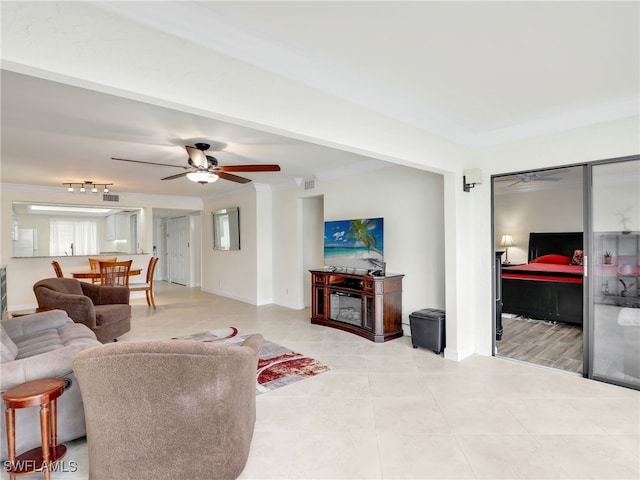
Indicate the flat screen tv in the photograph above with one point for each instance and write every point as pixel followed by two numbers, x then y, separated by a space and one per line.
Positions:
pixel 354 244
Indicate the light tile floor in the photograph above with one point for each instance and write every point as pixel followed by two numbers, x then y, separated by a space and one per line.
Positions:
pixel 388 411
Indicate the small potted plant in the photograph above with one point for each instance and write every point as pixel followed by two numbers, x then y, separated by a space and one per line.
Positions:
pixel 607 258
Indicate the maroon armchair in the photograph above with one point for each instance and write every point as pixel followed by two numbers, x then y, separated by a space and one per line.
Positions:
pixel 105 310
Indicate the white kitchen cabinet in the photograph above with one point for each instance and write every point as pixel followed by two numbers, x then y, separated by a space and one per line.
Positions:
pixel 117 227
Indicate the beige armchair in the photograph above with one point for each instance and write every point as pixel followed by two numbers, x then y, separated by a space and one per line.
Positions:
pixel 183 409
pixel 105 310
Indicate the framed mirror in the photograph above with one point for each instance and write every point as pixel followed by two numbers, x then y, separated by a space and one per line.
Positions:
pixel 226 229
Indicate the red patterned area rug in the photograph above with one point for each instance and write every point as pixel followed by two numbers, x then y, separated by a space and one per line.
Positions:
pixel 277 366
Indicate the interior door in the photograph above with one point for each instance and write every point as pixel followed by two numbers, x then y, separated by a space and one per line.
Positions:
pixel 614 268
pixel 178 239
pixel 195 249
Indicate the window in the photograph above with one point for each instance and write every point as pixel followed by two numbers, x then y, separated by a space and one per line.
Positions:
pixel 73 237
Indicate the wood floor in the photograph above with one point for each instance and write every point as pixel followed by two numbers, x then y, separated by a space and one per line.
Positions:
pixel 544 343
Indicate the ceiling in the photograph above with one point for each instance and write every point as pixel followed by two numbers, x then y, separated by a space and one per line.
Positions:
pixel 70 134
pixel 475 73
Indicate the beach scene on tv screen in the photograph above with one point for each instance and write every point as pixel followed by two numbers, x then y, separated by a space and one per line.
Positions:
pixel 355 243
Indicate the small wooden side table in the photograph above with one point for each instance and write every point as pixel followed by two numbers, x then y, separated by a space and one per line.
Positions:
pixel 43 392
pixel 30 311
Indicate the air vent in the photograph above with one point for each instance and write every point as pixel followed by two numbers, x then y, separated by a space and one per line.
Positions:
pixel 109 197
pixel 310 184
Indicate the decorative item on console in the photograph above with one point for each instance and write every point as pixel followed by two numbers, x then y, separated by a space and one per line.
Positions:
pixel 624 220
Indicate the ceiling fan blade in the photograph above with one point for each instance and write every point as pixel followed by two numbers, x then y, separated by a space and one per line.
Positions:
pixel 514 183
pixel 197 156
pixel 549 173
pixel 546 179
pixel 233 178
pixel 178 175
pixel 148 163
pixel 249 168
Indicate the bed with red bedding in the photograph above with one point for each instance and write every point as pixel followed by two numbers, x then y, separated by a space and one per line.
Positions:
pixel 549 286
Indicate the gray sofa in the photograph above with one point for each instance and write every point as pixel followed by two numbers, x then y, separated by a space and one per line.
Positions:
pixel 103 309
pixel 37 346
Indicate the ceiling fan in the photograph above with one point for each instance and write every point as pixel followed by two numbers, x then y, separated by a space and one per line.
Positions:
pixel 204 168
pixel 532 177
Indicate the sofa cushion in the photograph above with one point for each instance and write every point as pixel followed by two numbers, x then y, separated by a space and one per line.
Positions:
pixel 37 343
pixel 9 348
pixel 106 314
pixel 21 326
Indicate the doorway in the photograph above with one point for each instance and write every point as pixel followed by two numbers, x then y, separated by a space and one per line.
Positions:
pixel 538 217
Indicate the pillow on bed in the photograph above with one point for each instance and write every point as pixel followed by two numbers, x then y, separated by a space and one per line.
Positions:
pixel 578 258
pixel 552 258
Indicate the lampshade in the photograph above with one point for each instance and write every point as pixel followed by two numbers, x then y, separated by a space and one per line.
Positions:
pixel 202 177
pixel 506 241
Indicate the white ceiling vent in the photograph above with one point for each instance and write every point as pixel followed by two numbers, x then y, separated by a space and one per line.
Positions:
pixel 109 197
pixel 310 184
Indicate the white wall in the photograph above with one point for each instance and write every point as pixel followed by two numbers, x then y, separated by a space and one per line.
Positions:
pixel 288 248
pixel 596 142
pixel 232 273
pixel 551 210
pixel 411 202
pixel 312 240
pixel 412 205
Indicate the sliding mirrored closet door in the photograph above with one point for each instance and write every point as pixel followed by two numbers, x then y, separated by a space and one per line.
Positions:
pixel 614 271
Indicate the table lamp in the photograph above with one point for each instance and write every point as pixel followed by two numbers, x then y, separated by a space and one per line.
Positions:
pixel 506 241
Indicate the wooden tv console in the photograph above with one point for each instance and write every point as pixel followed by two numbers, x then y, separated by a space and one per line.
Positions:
pixel 362 304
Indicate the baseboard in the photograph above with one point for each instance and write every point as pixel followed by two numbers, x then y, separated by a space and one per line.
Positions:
pixel 221 293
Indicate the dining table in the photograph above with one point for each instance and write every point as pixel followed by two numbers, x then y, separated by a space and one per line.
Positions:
pixel 88 274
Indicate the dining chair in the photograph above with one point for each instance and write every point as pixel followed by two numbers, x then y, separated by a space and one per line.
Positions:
pixel 94 264
pixel 115 274
pixel 147 287
pixel 57 268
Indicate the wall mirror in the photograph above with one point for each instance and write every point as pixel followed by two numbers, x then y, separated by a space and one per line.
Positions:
pixel 58 230
pixel 226 229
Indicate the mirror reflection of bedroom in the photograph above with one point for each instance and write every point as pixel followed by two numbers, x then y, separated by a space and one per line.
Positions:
pixel 538 225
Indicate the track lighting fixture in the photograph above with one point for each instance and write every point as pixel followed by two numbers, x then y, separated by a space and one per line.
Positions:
pixel 87 184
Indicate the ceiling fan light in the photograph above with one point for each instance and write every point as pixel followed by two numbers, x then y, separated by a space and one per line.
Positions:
pixel 202 177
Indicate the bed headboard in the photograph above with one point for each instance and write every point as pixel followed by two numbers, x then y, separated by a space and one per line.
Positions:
pixel 563 243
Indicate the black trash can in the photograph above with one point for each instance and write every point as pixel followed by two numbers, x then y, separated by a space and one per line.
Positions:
pixel 428 329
